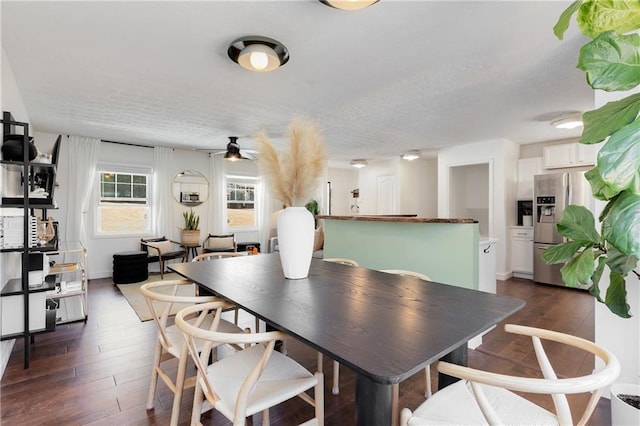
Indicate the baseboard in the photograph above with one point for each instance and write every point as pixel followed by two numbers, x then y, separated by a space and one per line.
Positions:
pixel 6 346
pixel 523 275
pixel 503 276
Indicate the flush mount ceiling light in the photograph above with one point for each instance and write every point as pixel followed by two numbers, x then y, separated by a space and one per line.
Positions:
pixel 257 53
pixel 233 150
pixel 414 154
pixel 570 121
pixel 348 4
pixel 358 164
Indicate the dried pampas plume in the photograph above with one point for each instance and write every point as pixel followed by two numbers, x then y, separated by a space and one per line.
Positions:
pixel 293 175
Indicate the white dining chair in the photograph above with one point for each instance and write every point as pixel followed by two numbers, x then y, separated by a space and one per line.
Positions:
pixel 161 296
pixel 221 255
pixel 395 388
pixel 483 397
pixel 248 381
pixel 335 389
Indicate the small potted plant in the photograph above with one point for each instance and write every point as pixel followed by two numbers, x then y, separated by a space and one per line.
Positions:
pixel 191 232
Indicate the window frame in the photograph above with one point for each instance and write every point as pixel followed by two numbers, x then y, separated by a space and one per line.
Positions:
pixel 98 200
pixel 243 180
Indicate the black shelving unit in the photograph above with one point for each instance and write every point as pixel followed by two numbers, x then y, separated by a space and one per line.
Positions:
pixel 30 173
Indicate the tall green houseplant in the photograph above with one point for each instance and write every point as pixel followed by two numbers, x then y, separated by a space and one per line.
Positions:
pixel 191 221
pixel 611 61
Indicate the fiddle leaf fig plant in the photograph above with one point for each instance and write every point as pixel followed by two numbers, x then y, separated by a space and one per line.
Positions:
pixel 611 61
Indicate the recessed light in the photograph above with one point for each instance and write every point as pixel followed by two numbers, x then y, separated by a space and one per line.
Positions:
pixel 568 122
pixel 414 154
pixel 257 53
pixel 348 4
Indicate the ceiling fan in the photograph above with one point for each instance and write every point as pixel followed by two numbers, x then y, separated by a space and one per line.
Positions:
pixel 233 152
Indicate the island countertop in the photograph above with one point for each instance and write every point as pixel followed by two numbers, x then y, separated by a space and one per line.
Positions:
pixel 397 218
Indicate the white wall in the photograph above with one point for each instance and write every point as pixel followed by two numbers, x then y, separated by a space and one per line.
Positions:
pixel 501 155
pixel 343 181
pixel 11 100
pixel 419 187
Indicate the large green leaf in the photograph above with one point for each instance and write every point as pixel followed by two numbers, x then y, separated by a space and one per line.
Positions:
pixel 611 61
pixel 595 278
pixel 597 16
pixel 579 269
pixel 621 228
pixel 598 187
pixel 565 19
pixel 619 159
pixel 616 298
pixel 604 121
pixel 620 262
pixel 577 224
pixel 560 253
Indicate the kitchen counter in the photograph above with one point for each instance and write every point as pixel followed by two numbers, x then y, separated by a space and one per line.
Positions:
pixel 446 250
pixel 397 218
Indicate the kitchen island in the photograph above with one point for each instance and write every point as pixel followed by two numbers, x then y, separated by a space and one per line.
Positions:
pixel 445 249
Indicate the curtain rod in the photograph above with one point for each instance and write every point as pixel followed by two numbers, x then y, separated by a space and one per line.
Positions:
pixel 127 143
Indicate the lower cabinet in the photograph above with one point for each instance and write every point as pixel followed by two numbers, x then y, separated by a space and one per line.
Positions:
pixel 487 266
pixel 486 277
pixel 522 251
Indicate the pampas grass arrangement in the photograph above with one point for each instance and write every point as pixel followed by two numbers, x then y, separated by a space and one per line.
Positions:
pixel 294 175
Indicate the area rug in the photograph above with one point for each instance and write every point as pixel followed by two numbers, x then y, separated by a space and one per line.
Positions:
pixel 131 292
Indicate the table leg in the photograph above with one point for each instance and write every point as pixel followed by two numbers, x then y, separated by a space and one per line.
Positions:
pixel 373 402
pixel 457 356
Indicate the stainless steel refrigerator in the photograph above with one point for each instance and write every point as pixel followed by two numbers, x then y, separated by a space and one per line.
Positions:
pixel 551 194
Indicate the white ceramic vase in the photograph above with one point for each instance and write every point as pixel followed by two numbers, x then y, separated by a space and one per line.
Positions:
pixel 295 240
pixel 623 414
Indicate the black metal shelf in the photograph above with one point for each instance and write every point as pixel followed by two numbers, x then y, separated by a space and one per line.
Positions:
pixel 13 287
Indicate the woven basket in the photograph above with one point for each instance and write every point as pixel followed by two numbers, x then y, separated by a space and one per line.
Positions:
pixel 190 237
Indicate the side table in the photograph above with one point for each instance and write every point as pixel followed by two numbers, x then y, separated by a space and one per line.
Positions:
pixel 190 249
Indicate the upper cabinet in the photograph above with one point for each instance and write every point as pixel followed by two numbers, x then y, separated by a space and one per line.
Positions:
pixel 570 155
pixel 527 169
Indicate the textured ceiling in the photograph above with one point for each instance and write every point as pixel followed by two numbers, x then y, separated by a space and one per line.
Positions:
pixel 397 76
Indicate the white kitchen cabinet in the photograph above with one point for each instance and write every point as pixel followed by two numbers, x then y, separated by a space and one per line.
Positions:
pixel 486 277
pixel 527 169
pixel 487 266
pixel 570 155
pixel 522 251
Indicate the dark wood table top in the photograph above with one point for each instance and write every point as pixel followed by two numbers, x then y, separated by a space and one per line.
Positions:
pixel 383 326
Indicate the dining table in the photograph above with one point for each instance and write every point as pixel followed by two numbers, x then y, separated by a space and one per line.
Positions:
pixel 384 327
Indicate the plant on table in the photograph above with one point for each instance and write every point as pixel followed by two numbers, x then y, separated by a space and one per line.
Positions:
pixel 191 232
pixel 611 61
pixel 293 176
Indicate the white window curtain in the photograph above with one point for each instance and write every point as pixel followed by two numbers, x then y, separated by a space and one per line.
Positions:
pixel 82 158
pixel 162 200
pixel 264 214
pixel 218 195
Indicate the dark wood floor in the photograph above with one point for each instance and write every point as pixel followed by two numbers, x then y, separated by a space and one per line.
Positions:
pixel 97 372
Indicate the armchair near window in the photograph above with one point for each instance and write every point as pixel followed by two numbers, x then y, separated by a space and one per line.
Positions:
pixel 219 243
pixel 162 249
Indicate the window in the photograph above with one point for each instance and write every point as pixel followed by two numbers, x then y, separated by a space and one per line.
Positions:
pixel 241 196
pixel 124 206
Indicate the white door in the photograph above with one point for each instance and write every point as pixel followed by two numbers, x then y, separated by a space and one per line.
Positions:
pixel 387 195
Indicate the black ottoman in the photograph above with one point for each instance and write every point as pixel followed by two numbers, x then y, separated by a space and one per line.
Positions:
pixel 130 267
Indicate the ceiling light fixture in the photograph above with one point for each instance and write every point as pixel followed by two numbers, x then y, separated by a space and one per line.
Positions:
pixel 257 53
pixel 358 164
pixel 568 122
pixel 348 4
pixel 414 154
pixel 233 150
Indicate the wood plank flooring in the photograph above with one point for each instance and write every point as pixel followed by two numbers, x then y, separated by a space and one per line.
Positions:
pixel 98 372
